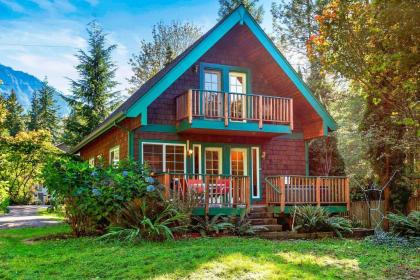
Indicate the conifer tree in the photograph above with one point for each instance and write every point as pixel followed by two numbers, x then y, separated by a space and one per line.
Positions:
pixel 14 121
pixel 93 96
pixel 227 6
pixel 33 123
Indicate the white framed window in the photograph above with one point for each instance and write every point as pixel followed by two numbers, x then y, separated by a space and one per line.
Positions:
pixel 212 80
pixel 255 160
pixel 114 155
pixel 92 162
pixel 164 157
pixel 213 160
pixel 237 84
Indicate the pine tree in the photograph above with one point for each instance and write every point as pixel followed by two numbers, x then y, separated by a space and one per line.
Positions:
pixel 47 114
pixel 227 6
pixel 92 96
pixel 33 123
pixel 14 121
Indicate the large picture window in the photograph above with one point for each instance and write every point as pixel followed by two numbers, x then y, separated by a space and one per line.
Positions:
pixel 164 157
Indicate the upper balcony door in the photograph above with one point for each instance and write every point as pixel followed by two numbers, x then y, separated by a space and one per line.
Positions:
pixel 237 87
pixel 212 95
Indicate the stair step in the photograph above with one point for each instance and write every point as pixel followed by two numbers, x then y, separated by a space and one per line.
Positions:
pixel 261 215
pixel 268 228
pixel 263 221
pixel 262 209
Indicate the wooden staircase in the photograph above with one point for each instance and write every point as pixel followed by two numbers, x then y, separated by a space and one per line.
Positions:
pixel 262 217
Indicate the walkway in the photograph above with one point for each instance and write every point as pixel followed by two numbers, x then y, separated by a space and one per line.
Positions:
pixel 26 216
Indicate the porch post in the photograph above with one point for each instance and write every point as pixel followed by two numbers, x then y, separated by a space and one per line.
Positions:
pixel 226 108
pixel 166 183
pixel 260 107
pixel 318 191
pixel 282 194
pixel 247 193
pixel 189 106
pixel 347 192
pixel 206 195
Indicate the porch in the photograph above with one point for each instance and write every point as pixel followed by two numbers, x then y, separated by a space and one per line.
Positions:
pixel 228 111
pixel 228 194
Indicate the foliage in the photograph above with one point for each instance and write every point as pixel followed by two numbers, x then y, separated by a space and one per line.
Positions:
pixel 22 158
pixel 94 196
pixel 146 219
pixel 43 113
pixel 93 96
pixel 405 225
pixel 241 226
pixel 227 6
pixel 14 117
pixel 169 40
pixel 198 258
pixel 211 225
pixel 388 239
pixel 310 218
pixel 4 204
pixel 373 44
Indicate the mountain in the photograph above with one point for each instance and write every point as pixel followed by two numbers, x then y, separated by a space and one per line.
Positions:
pixel 25 84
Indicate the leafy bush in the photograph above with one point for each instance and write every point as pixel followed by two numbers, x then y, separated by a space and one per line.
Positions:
pixel 405 225
pixel 310 218
pixel 214 225
pixel 4 205
pixel 93 195
pixel 385 238
pixel 242 226
pixel 146 219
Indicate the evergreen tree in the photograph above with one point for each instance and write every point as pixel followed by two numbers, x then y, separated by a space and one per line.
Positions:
pixel 227 6
pixel 33 123
pixel 14 121
pixel 3 114
pixel 92 97
pixel 44 110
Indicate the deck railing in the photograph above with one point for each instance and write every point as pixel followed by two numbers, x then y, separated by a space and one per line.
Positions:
pixel 234 107
pixel 207 190
pixel 298 190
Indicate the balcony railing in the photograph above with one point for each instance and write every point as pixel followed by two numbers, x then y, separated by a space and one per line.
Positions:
pixel 298 190
pixel 207 190
pixel 234 107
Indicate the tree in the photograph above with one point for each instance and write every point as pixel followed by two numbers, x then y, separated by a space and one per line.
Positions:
pixel 294 24
pixel 374 45
pixel 47 113
pixel 33 123
pixel 169 40
pixel 22 157
pixel 92 97
pixel 227 6
pixel 14 118
pixel 3 114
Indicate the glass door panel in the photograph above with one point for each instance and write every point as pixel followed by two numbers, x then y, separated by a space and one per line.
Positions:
pixel 237 88
pixel 212 96
pixel 238 162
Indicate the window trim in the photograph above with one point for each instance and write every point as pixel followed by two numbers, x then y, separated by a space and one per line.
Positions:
pixel 164 144
pixel 199 158
pixel 258 167
pixel 114 149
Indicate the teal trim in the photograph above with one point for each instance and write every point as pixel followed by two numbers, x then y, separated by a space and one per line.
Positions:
pixel 332 209
pixel 237 16
pixel 234 126
pixel 225 70
pixel 158 128
pixel 199 211
pixel 131 145
pixel 212 38
pixel 306 158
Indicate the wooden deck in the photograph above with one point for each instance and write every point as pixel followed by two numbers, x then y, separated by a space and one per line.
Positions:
pixel 285 191
pixel 207 193
pixel 228 107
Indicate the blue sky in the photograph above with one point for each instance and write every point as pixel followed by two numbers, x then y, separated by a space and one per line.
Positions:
pixel 41 36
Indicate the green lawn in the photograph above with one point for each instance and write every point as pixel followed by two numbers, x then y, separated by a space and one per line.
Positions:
pixel 212 258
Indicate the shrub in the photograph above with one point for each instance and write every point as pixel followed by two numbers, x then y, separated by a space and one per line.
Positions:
pixel 310 218
pixel 4 205
pixel 92 195
pixel 405 225
pixel 385 238
pixel 214 225
pixel 145 219
pixel 242 226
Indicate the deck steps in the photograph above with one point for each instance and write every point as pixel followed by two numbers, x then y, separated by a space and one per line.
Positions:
pixel 263 218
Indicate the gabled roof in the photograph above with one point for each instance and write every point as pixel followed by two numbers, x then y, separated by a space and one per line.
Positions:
pixel 136 105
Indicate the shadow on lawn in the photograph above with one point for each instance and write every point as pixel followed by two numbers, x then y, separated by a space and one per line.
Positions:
pixel 207 258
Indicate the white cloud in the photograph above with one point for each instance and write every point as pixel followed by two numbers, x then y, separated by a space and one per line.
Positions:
pixel 55 6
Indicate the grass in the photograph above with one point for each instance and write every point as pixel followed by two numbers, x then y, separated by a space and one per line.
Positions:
pixel 205 258
pixel 54 215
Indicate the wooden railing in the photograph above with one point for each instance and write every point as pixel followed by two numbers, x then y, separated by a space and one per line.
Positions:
pixel 234 107
pixel 298 190
pixel 206 190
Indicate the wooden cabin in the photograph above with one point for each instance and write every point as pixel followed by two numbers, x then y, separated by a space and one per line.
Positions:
pixel 228 119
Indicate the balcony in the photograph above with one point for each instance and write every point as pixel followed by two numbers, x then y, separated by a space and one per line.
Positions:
pixel 236 112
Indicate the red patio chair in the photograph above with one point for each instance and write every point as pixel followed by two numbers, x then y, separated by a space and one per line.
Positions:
pixel 195 185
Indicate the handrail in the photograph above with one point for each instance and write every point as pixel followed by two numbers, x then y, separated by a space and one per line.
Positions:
pixel 246 94
pixel 297 189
